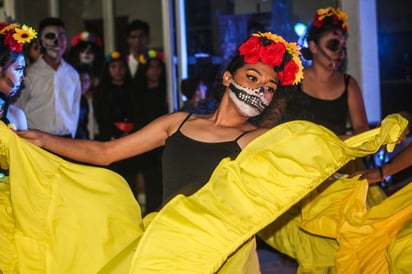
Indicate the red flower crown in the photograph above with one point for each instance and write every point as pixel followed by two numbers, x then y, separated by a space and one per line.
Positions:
pixel 16 35
pixel 274 51
pixel 331 16
pixel 86 36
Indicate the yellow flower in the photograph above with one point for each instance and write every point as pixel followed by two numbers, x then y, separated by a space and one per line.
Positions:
pixel 115 55
pixel 24 34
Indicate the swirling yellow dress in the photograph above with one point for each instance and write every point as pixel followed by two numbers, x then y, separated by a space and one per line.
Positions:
pixel 61 217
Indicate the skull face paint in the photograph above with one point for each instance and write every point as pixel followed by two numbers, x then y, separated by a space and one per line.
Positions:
pixel 53 40
pixel 333 48
pixel 250 101
pixel 87 56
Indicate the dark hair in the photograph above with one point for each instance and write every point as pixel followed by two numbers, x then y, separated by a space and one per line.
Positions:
pixel 316 33
pixel 189 86
pixel 138 25
pixel 105 78
pixel 50 21
pixel 141 78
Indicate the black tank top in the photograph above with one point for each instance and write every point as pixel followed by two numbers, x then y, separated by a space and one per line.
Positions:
pixel 332 114
pixel 187 164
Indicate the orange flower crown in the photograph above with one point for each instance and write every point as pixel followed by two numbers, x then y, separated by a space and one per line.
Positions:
pixel 331 16
pixel 16 35
pixel 274 51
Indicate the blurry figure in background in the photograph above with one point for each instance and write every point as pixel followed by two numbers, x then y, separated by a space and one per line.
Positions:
pixel 113 99
pixel 194 90
pixel 86 79
pixel 86 48
pixel 31 51
pixel 115 111
pixel 328 96
pixel 51 96
pixel 138 38
pixel 151 102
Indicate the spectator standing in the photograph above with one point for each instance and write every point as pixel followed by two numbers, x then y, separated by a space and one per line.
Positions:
pixel 86 48
pixel 138 38
pixel 151 102
pixel 114 110
pixel 86 80
pixel 51 97
pixel 195 92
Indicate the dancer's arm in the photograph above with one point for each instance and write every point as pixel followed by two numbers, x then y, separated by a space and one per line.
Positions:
pixel 103 153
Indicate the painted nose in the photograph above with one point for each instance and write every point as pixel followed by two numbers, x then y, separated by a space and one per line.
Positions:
pixel 260 91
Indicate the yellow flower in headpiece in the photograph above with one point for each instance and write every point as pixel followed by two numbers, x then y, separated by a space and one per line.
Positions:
pixel 24 34
pixel 338 16
pixel 115 55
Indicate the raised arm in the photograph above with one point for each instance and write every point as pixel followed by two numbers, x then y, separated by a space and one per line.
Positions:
pixel 103 153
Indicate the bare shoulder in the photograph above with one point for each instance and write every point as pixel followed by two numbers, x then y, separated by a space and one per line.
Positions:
pixel 173 120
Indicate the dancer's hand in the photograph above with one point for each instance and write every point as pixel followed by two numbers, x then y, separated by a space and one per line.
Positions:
pixel 373 175
pixel 34 136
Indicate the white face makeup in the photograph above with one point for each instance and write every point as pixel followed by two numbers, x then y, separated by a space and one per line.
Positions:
pixel 11 82
pixel 251 102
pixel 53 39
pixel 87 56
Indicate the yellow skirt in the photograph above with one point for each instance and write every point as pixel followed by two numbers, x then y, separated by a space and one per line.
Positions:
pixel 71 218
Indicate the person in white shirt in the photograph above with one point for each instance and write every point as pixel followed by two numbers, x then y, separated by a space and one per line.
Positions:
pixel 138 33
pixel 51 97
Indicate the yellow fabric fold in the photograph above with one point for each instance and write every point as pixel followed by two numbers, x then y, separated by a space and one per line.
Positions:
pixel 71 218
pixel 196 234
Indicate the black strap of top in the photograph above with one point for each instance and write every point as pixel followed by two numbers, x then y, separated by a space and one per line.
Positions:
pixel 241 135
pixel 184 121
pixel 346 79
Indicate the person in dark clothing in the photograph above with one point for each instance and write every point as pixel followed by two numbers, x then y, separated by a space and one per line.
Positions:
pixel 115 111
pixel 151 102
pixel 86 78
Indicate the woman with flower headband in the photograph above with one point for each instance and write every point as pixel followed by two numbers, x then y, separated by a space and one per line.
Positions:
pixel 230 179
pixel 326 95
pixel 319 230
pixel 12 64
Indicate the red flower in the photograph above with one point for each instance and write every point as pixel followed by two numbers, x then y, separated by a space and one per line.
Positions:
pixel 272 55
pixel 316 22
pixel 251 50
pixel 13 44
pixel 288 75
